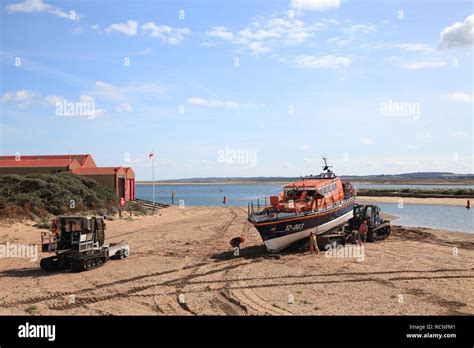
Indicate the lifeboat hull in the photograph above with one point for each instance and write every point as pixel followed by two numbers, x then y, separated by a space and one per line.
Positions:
pixel 281 233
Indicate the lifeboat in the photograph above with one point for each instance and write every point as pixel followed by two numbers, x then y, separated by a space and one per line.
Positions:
pixel 315 204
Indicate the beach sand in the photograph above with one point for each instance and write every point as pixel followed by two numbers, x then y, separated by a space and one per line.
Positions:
pixel 181 264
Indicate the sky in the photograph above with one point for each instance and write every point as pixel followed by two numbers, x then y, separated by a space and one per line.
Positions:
pixel 240 88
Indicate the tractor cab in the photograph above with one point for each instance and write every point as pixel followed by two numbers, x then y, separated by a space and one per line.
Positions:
pixel 378 228
pixel 371 213
pixel 74 233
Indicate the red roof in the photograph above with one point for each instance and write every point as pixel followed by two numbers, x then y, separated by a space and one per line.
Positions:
pixel 80 158
pixel 97 171
pixel 8 163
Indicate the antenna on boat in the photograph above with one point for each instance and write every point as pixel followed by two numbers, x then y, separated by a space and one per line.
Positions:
pixel 326 167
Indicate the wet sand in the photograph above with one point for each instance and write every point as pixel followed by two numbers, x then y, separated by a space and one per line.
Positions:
pixel 181 264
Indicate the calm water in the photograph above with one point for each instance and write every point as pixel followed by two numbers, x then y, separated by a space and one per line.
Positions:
pixel 455 218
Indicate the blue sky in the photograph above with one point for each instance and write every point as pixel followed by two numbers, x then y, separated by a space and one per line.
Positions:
pixel 241 88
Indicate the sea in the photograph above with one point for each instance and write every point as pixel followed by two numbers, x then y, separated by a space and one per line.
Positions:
pixel 448 217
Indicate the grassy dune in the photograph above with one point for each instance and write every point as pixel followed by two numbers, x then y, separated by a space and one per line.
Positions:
pixel 420 193
pixel 39 195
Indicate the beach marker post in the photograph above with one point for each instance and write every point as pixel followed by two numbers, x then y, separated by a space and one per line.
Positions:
pixel 152 157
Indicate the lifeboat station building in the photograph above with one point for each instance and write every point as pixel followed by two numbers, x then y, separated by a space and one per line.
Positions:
pixel 119 179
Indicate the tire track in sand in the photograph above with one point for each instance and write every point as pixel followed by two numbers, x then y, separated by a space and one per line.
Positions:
pixel 209 248
pixel 246 298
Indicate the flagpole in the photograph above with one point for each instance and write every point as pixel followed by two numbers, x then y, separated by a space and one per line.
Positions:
pixel 153 176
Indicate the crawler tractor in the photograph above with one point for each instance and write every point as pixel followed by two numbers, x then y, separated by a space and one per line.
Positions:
pixel 378 229
pixel 78 244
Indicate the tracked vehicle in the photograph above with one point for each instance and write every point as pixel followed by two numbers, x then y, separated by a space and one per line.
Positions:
pixel 78 244
pixel 378 229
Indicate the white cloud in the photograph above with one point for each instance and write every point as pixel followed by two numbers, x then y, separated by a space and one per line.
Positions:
pixel 314 5
pixel 458 34
pixel 407 47
pixel 423 65
pixel 124 107
pixel 19 96
pixel 221 33
pixel 31 6
pixel 366 140
pixel 165 33
pixel 459 96
pixel 229 104
pixel 265 34
pixel 415 47
pixel 130 28
pixel 361 28
pixel 123 93
pixel 54 99
pixel 458 134
pixel 257 48
pixel 412 147
pixel 84 98
pixel 321 62
pixel 305 147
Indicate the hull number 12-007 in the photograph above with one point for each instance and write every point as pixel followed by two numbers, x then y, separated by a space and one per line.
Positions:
pixel 296 227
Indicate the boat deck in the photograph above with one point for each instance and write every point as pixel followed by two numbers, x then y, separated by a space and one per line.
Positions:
pixel 264 216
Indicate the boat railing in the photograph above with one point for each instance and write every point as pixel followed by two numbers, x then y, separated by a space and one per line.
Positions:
pixel 262 207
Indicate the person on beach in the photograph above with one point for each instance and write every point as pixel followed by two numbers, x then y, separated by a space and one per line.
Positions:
pixel 363 229
pixel 235 243
pixel 313 243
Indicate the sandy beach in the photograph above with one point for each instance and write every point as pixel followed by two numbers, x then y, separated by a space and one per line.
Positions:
pixel 181 264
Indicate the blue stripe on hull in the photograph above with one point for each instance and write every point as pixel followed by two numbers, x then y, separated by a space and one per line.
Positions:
pixel 282 228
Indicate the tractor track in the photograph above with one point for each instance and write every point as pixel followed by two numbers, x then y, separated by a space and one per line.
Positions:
pixel 59 295
pixel 174 286
pixel 220 231
pixel 235 299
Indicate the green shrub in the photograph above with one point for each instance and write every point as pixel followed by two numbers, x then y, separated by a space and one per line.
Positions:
pixel 43 194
